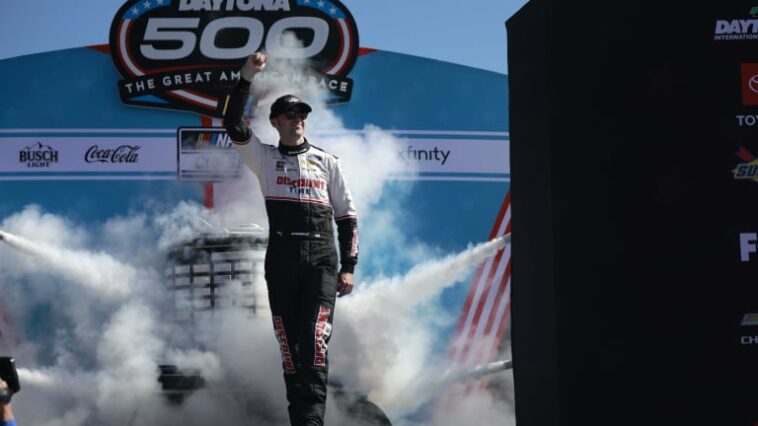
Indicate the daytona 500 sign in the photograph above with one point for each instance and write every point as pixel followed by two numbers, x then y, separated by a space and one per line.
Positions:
pixel 186 54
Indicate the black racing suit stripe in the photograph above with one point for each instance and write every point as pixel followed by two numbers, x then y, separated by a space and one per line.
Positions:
pixel 235 106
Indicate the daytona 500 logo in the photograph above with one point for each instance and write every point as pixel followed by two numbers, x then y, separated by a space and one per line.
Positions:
pixel 186 54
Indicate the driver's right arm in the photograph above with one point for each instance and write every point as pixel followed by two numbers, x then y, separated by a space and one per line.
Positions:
pixel 246 143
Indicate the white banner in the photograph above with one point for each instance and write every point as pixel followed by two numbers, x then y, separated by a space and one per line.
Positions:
pixel 193 154
pixel 87 156
pixel 456 155
pixel 449 155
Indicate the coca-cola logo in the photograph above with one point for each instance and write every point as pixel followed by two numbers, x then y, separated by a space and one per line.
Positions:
pixel 121 154
pixel 186 54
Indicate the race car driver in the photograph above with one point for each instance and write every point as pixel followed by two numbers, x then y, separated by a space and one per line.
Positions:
pixel 305 193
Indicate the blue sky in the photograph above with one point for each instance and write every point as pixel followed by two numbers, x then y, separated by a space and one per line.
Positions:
pixel 464 32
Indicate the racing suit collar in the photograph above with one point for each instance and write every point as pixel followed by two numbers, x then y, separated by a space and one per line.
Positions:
pixel 294 150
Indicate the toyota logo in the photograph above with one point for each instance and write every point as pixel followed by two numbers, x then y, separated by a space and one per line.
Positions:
pixel 753 83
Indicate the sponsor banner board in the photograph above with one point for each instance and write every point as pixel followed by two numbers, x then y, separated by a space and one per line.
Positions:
pixel 449 155
pixel 206 154
pixel 456 158
pixel 86 157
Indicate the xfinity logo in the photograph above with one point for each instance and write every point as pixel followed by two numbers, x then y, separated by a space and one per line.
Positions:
pixel 415 154
pixel 38 156
pixel 747 245
pixel 121 154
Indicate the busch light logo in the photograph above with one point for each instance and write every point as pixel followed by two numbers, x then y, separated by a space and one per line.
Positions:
pixel 186 54
pixel 122 154
pixel 38 156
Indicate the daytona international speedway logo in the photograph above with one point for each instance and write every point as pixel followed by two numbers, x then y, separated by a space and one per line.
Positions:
pixel 186 54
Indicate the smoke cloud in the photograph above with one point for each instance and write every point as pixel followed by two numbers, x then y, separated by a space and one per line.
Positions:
pixel 389 349
pixel 383 348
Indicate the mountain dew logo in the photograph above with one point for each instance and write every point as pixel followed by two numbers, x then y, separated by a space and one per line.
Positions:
pixel 747 170
pixel 186 54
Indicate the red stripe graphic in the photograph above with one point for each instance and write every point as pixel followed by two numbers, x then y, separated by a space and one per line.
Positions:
pixel 489 300
pixel 339 54
pixel 192 101
pixel 102 48
pixel 485 313
pixel 323 330
pixel 498 297
pixel 281 335
pixel 475 282
pixel 745 155
pixel 208 195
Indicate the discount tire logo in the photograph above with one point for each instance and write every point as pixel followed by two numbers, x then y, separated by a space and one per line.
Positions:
pixel 186 54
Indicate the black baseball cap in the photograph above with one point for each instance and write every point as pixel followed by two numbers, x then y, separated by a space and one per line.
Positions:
pixel 286 103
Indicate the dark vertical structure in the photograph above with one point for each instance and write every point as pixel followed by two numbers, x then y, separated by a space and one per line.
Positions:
pixel 628 285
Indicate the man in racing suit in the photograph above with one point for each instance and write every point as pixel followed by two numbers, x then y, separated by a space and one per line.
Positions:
pixel 304 190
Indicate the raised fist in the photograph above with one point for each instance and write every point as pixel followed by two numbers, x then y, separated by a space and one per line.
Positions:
pixel 255 63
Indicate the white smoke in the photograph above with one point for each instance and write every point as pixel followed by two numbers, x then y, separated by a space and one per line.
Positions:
pixel 391 323
pixel 481 407
pixel 97 292
pixel 98 271
pixel 368 156
pixel 385 334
